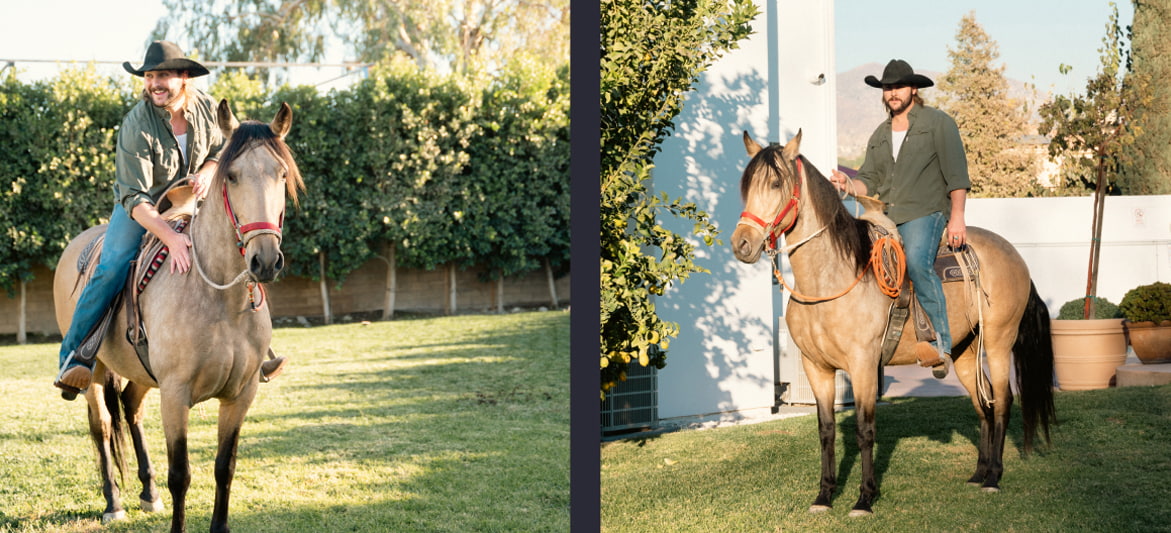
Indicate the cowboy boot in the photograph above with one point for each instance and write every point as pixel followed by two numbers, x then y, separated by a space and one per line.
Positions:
pixel 930 355
pixel 74 378
pixel 272 368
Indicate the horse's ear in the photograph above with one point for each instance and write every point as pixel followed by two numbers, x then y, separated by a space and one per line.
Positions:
pixel 793 149
pixel 750 145
pixel 227 119
pixel 283 121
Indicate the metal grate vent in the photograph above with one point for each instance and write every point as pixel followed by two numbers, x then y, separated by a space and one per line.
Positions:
pixel 634 403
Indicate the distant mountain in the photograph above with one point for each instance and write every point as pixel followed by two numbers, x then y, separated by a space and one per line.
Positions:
pixel 860 108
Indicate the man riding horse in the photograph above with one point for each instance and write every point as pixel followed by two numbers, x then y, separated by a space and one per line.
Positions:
pixel 170 135
pixel 915 163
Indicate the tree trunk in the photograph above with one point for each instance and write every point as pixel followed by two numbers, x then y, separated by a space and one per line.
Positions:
pixel 452 292
pixel 391 283
pixel 1096 240
pixel 552 284
pixel 500 294
pixel 325 307
pixel 22 316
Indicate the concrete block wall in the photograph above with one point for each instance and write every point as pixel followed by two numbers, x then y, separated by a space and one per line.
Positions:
pixel 418 291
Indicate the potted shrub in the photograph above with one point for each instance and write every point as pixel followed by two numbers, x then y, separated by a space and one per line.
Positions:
pixel 1087 352
pixel 1147 313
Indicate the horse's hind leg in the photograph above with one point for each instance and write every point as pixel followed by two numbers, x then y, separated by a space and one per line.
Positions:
pixel 105 426
pixel 965 368
pixel 230 419
pixel 132 399
pixel 993 419
pixel 821 381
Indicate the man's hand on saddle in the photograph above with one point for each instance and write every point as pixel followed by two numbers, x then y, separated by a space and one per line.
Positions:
pixel 957 234
pixel 178 245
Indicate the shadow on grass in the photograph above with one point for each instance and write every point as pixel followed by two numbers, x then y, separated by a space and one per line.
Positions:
pixel 471 434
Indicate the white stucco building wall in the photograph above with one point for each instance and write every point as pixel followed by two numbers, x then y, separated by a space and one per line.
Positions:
pixel 723 362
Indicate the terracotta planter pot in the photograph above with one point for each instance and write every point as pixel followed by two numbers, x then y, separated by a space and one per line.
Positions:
pixel 1151 342
pixel 1086 352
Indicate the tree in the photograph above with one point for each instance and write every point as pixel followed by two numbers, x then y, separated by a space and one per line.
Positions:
pixel 652 52
pixel 518 212
pixel 465 35
pixel 56 168
pixel 975 93
pixel 1090 133
pixel 1149 171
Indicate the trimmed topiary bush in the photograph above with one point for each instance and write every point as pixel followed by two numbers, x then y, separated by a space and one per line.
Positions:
pixel 1074 309
pixel 1147 303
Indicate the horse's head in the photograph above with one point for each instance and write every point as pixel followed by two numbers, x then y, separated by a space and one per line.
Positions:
pixel 256 172
pixel 770 188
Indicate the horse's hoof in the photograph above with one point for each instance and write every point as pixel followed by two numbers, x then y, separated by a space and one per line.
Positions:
pixel 975 484
pixel 856 513
pixel 116 515
pixel 153 507
pixel 818 509
pixel 990 490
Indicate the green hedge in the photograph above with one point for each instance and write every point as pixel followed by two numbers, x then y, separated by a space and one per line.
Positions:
pixel 444 169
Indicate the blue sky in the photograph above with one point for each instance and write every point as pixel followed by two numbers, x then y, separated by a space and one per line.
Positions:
pixel 1034 36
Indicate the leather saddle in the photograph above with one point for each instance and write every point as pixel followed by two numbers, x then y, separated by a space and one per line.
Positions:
pixel 176 206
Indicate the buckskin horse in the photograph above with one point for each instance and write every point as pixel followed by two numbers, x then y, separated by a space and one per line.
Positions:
pixel 207 334
pixel 837 325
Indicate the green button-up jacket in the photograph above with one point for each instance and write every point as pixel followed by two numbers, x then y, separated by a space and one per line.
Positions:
pixel 148 157
pixel 931 164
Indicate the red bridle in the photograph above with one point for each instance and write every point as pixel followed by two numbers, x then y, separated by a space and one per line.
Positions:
pixel 242 238
pixel 244 229
pixel 770 229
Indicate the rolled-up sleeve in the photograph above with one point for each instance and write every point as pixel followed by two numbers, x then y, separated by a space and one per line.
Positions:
pixel 134 169
pixel 953 163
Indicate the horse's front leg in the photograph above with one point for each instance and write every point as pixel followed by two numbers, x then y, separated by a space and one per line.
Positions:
pixel 132 398
pixel 865 382
pixel 176 411
pixel 231 418
pixel 821 381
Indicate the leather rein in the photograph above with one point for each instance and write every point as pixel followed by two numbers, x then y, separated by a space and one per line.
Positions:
pixel 889 287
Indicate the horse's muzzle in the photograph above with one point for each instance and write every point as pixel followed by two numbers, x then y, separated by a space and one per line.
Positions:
pixel 265 260
pixel 747 244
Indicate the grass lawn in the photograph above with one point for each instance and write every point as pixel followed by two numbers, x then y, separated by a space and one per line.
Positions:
pixel 1108 469
pixel 435 424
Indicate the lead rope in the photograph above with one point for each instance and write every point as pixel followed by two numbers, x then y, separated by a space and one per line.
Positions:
pixel 252 300
pixel 887 259
pixel 983 387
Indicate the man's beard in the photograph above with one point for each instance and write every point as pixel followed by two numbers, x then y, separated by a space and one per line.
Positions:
pixel 172 97
pixel 902 105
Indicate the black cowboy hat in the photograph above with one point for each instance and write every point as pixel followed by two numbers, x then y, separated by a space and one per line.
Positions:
pixel 166 55
pixel 899 72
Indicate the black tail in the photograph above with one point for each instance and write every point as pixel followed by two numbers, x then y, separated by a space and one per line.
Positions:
pixel 112 396
pixel 1033 353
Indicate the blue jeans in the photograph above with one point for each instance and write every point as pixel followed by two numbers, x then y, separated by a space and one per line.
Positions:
pixel 123 237
pixel 920 243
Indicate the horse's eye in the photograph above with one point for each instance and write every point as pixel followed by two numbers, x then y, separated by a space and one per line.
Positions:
pixel 232 177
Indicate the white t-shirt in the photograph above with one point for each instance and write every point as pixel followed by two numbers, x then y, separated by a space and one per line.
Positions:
pixel 182 145
pixel 896 142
